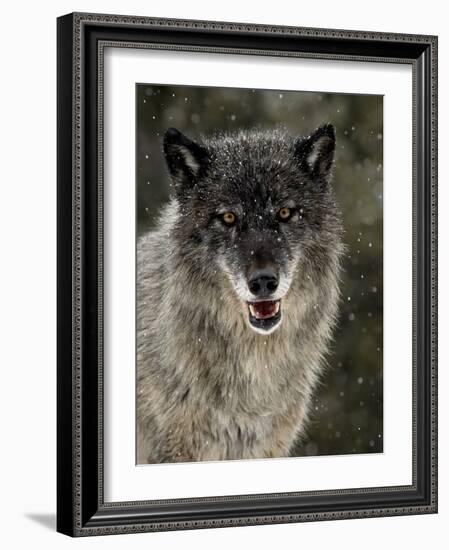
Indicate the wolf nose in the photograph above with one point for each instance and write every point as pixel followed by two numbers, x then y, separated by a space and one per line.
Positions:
pixel 262 282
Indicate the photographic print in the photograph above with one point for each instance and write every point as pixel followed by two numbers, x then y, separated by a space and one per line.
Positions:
pixel 247 274
pixel 259 273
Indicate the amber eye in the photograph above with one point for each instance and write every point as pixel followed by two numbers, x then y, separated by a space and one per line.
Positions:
pixel 284 214
pixel 229 218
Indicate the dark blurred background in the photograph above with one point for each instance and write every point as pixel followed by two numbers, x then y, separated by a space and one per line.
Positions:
pixel 347 410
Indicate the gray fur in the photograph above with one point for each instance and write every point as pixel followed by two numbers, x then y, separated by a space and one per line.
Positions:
pixel 209 386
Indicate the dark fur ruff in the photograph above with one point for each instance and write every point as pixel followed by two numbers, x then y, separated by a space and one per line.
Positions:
pixel 209 386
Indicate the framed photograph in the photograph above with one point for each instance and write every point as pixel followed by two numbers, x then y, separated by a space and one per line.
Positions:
pixel 247 247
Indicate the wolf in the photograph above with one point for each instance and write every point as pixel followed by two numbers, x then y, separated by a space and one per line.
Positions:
pixel 237 295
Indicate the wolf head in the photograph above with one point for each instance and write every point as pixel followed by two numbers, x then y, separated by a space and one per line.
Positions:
pixel 258 206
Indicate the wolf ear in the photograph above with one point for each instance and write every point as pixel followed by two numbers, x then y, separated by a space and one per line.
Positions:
pixel 315 153
pixel 186 159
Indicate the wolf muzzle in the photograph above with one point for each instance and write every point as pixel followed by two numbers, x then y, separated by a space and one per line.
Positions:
pixel 264 314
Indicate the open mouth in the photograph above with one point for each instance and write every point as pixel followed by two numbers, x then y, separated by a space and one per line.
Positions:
pixel 264 315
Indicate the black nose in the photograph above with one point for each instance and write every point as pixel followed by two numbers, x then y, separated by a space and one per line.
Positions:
pixel 262 282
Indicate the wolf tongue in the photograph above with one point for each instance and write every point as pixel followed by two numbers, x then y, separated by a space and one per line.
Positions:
pixel 264 309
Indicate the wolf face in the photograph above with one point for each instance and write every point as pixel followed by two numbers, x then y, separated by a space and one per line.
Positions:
pixel 258 207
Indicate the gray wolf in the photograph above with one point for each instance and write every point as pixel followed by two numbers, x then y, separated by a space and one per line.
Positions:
pixel 237 296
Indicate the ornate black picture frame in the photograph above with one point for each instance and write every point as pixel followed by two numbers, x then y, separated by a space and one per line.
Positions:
pixel 81 509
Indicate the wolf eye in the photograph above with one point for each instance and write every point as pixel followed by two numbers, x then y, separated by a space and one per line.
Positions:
pixel 228 218
pixel 284 214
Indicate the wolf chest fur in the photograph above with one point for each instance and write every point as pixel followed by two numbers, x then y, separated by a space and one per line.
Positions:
pixel 237 295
